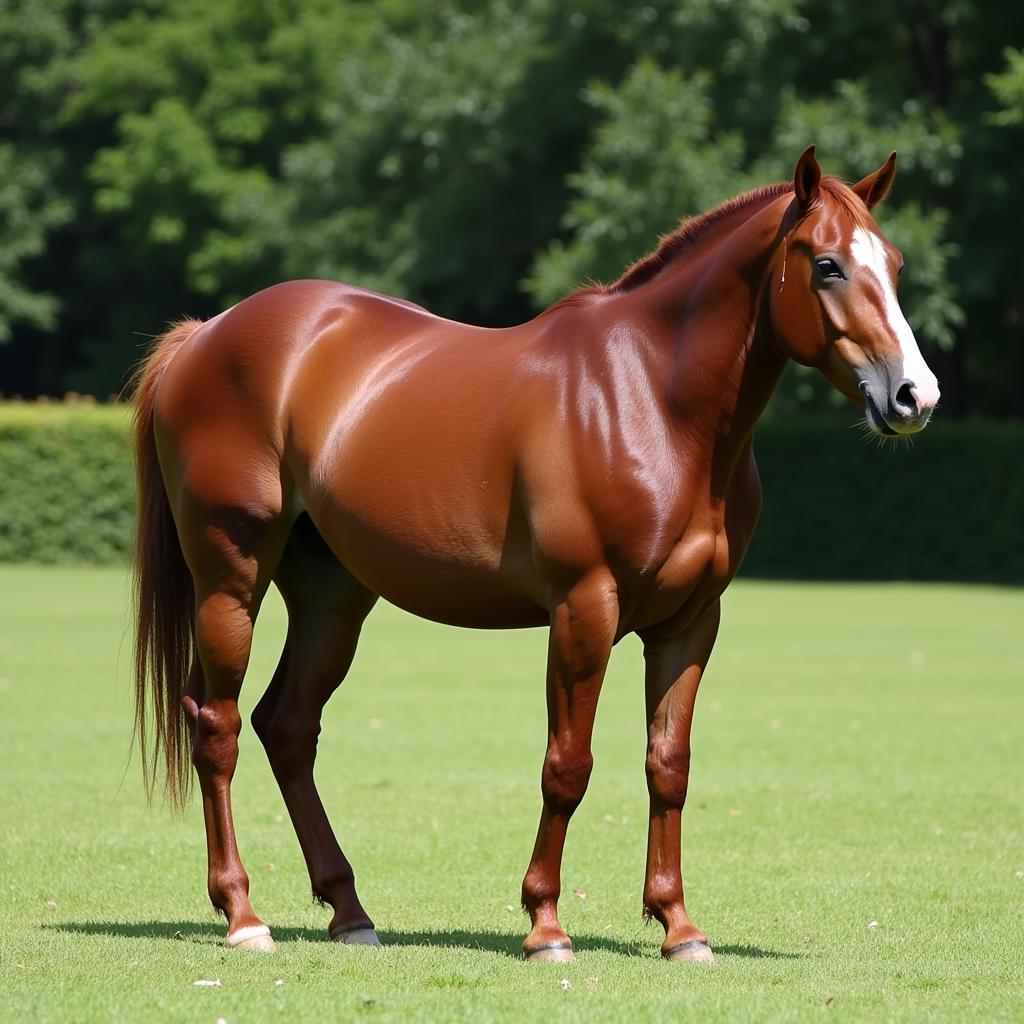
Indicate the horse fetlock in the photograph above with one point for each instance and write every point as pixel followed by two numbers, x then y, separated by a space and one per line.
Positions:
pixel 226 885
pixel 663 902
pixel 336 887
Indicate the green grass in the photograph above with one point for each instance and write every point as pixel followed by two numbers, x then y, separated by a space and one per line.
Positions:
pixel 857 759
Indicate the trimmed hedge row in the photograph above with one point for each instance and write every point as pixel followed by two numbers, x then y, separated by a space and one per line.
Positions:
pixel 836 506
pixel 67 484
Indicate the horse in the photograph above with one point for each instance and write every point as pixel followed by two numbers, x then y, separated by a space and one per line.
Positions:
pixel 590 471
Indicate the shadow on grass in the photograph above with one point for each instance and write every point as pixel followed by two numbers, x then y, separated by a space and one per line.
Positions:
pixel 500 942
pixel 756 953
pixel 212 933
pixel 188 931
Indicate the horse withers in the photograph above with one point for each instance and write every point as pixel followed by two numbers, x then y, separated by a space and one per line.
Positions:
pixel 590 471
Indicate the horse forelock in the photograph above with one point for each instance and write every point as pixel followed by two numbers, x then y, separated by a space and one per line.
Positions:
pixel 849 202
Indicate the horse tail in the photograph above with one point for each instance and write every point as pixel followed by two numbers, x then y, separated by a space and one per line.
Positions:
pixel 164 596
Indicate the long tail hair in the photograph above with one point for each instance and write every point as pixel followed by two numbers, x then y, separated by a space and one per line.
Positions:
pixel 164 596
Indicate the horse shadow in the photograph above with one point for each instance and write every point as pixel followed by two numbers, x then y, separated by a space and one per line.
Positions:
pixel 501 943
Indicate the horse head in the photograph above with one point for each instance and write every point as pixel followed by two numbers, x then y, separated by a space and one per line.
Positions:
pixel 833 302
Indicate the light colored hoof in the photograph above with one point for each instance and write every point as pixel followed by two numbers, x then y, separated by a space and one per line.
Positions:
pixel 357 937
pixel 551 954
pixel 695 952
pixel 255 937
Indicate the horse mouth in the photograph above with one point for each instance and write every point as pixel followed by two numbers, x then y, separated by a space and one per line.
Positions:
pixel 875 420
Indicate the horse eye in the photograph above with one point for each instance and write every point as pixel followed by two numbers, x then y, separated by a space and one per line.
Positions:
pixel 829 268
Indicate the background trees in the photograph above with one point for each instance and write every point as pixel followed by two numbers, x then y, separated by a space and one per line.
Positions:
pixel 482 158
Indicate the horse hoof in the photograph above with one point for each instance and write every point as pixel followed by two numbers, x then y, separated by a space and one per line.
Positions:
pixel 696 951
pixel 553 953
pixel 357 937
pixel 255 937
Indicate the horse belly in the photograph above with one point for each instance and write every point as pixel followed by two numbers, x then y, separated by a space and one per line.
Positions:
pixel 415 569
pixel 427 521
pixel 407 471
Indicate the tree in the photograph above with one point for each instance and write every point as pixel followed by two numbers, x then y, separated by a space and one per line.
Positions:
pixel 34 43
pixel 170 156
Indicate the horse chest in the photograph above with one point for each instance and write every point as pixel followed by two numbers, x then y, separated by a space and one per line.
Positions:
pixel 699 554
pixel 695 570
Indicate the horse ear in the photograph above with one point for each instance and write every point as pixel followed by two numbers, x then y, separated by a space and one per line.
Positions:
pixel 807 179
pixel 873 188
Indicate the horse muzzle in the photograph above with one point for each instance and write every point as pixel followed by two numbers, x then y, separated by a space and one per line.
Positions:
pixel 903 406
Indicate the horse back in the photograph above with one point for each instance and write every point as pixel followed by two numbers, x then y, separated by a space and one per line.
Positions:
pixel 463 473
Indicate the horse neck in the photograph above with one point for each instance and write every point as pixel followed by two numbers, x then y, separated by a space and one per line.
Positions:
pixel 722 366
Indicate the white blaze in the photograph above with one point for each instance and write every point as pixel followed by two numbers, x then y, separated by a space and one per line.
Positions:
pixel 868 251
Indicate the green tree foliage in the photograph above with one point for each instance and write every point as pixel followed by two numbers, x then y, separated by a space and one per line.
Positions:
pixel 170 156
pixel 201 100
pixel 30 208
pixel 34 44
pixel 654 157
pixel 428 169
pixel 1008 87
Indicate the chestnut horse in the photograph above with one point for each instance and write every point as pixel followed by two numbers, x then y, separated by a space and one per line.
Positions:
pixel 590 471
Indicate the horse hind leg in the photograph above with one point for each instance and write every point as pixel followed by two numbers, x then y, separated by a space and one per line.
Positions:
pixel 326 609
pixel 232 554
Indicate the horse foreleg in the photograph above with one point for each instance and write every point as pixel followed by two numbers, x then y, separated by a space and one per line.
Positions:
pixel 583 628
pixel 674 669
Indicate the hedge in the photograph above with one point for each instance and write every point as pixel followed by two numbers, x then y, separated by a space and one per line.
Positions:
pixel 837 505
pixel 67 488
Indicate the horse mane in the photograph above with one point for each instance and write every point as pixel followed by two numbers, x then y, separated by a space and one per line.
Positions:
pixel 692 229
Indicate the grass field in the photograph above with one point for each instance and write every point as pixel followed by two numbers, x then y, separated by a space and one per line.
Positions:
pixel 853 840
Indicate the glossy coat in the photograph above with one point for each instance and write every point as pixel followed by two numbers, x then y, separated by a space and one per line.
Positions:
pixel 590 470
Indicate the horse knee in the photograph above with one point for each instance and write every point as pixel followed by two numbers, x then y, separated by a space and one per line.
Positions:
pixel 668 772
pixel 564 778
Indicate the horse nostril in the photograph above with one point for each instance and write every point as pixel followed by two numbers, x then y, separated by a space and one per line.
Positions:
pixel 904 399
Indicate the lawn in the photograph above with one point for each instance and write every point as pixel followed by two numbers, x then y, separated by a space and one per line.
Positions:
pixel 853 840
